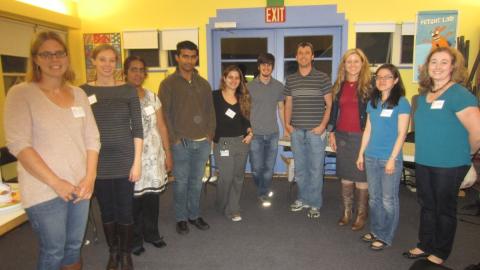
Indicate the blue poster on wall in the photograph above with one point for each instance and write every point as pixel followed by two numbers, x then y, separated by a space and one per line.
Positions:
pixel 434 29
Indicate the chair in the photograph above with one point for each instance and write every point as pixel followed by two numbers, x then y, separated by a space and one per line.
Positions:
pixel 408 166
pixel 210 177
pixel 5 159
pixel 329 165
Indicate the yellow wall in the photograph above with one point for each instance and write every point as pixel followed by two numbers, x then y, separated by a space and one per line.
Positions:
pixel 118 15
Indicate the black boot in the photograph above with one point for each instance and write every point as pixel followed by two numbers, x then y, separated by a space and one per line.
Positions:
pixel 111 236
pixel 125 233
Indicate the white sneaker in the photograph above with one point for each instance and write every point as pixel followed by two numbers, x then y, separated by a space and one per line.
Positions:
pixel 236 218
pixel 270 194
pixel 265 201
pixel 313 212
pixel 298 206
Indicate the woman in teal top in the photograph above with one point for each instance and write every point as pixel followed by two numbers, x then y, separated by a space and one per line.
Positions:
pixel 381 154
pixel 447 130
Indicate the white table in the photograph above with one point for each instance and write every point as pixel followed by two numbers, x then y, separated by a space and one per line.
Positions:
pixel 408 155
pixel 408 149
pixel 10 219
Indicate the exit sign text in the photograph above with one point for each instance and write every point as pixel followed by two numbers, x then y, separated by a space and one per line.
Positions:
pixel 275 14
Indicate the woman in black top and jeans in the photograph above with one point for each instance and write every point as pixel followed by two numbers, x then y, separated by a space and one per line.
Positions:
pixel 232 136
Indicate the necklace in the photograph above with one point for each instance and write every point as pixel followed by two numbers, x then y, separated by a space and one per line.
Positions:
pixel 440 88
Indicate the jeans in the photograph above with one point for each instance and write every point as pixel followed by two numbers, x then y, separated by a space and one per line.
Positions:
pixel 60 227
pixel 383 198
pixel 190 158
pixel 115 198
pixel 309 153
pixel 437 190
pixel 263 154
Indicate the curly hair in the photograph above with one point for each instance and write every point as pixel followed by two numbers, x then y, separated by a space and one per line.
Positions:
pixel 458 74
pixel 242 94
pixel 364 78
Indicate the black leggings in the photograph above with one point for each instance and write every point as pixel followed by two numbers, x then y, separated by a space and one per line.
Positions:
pixel 115 197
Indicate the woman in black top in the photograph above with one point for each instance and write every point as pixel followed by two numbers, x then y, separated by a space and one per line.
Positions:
pixel 116 108
pixel 232 136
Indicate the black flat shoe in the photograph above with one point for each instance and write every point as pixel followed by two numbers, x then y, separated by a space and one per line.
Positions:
pixel 158 244
pixel 199 223
pixel 182 227
pixel 409 255
pixel 137 251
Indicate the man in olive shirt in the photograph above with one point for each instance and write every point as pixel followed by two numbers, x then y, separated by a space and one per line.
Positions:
pixel 190 116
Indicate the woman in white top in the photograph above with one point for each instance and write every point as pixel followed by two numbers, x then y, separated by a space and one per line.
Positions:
pixel 156 160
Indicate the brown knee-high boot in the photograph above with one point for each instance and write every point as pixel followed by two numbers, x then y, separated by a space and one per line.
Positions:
pixel 347 196
pixel 362 209
pixel 125 233
pixel 111 236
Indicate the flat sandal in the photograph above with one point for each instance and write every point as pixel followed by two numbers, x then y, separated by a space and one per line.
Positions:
pixel 380 247
pixel 369 237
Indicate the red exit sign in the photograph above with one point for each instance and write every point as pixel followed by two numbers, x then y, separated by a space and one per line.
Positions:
pixel 275 14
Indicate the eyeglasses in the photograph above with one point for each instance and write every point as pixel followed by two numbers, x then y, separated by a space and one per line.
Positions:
pixel 50 55
pixel 386 78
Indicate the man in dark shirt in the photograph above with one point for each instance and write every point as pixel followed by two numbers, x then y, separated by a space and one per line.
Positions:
pixel 190 116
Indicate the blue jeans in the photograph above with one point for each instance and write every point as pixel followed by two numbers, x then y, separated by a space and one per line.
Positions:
pixel 189 158
pixel 263 154
pixel 309 155
pixel 60 227
pixel 383 198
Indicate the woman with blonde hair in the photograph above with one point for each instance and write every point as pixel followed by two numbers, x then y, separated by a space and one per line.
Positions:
pixel 116 107
pixel 347 121
pixel 446 112
pixel 233 134
pixel 51 130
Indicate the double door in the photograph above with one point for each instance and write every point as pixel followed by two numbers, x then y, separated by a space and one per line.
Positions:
pixel 242 47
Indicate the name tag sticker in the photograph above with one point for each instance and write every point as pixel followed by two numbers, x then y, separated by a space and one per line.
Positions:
pixel 230 113
pixel 92 99
pixel 78 112
pixel 437 104
pixel 224 153
pixel 149 110
pixel 386 113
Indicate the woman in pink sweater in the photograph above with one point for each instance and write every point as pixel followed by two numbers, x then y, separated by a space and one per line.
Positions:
pixel 51 130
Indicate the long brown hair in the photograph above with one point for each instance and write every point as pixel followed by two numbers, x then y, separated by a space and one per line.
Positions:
pixel 459 71
pixel 34 73
pixel 241 93
pixel 364 78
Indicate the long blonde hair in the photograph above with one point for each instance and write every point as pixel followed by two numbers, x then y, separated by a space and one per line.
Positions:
pixel 459 71
pixel 34 73
pixel 364 78
pixel 241 93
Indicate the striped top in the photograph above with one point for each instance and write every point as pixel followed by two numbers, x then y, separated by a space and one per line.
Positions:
pixel 119 119
pixel 308 97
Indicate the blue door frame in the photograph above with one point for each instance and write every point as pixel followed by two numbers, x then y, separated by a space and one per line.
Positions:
pixel 301 21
